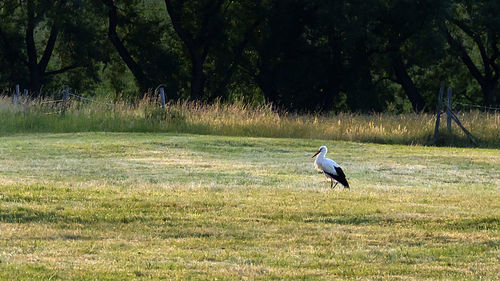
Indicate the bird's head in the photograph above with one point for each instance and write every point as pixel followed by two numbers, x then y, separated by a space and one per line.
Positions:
pixel 321 149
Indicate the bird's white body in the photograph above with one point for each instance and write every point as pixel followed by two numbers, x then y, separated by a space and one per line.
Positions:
pixel 329 167
pixel 324 164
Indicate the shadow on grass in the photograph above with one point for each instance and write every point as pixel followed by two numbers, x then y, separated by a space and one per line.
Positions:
pixel 28 215
pixel 25 215
pixel 473 224
pixel 350 220
pixel 484 223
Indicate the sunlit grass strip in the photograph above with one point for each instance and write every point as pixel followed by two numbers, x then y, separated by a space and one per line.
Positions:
pixel 238 119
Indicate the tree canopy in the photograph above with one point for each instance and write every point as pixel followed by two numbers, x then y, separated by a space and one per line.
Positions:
pixel 302 55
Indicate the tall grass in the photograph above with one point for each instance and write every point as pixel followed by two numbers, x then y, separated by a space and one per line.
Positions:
pixel 238 119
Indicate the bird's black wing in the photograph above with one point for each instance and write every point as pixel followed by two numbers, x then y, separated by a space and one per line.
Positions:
pixel 340 177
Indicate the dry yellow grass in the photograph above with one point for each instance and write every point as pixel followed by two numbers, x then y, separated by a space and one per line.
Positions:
pixel 238 119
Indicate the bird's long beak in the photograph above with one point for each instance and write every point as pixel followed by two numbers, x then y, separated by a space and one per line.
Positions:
pixel 316 153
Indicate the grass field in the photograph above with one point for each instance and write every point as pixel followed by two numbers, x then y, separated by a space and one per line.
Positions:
pixel 149 206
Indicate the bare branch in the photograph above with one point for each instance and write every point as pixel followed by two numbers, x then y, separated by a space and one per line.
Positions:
pixel 29 35
pixel 477 39
pixel 62 70
pixel 454 43
pixel 134 67
pixel 386 78
pixel 49 48
pixel 175 17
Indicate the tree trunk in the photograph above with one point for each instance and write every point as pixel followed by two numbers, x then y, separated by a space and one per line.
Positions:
pixel 35 79
pixel 197 77
pixel 35 73
pixel 193 47
pixel 489 92
pixel 197 48
pixel 143 82
pixel 37 68
pixel 487 81
pixel 409 87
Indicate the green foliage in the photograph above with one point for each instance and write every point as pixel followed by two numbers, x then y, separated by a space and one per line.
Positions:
pixel 472 28
pixel 303 56
pixel 145 35
pixel 77 49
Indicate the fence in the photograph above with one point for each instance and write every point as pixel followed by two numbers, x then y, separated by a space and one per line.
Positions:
pixel 477 106
pixel 67 95
pixel 451 116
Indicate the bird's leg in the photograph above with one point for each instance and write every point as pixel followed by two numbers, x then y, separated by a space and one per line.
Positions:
pixel 335 184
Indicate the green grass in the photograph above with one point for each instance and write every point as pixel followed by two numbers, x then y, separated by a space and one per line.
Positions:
pixel 238 119
pixel 112 206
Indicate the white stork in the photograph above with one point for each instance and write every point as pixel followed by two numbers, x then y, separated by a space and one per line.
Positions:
pixel 331 169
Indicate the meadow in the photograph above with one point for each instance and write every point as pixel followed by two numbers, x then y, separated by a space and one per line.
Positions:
pixel 155 205
pixel 118 189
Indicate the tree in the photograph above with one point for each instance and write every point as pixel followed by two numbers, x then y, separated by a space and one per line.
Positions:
pixel 472 30
pixel 290 60
pixel 223 66
pixel 138 31
pixel 404 40
pixel 197 23
pixel 46 23
pixel 346 27
pixel 302 55
pixel 142 79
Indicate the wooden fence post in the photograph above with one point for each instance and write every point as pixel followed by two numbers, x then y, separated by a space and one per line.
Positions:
pixel 469 135
pixel 448 110
pixel 16 95
pixel 162 97
pixel 438 113
pixel 64 100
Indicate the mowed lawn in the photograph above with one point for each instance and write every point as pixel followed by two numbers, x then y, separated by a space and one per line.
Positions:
pixel 152 206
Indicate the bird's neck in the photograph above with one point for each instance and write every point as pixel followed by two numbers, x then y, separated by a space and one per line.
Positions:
pixel 321 155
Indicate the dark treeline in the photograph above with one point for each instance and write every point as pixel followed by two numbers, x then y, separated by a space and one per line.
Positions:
pixel 313 55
